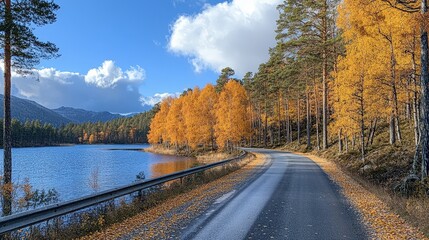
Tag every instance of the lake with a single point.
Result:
(70, 169)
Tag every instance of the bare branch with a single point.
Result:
(405, 6)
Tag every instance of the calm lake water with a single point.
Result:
(69, 169)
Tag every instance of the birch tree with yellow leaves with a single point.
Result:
(207, 118)
(158, 132)
(199, 118)
(191, 110)
(175, 125)
(418, 9)
(372, 72)
(231, 116)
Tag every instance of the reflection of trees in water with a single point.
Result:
(160, 169)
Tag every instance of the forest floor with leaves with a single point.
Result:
(168, 219)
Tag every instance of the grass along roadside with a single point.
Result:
(211, 157)
(165, 220)
(376, 214)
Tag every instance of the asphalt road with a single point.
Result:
(292, 199)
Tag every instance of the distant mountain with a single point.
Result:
(82, 116)
(24, 110)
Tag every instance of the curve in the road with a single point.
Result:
(292, 199)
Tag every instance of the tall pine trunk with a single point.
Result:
(251, 125)
(260, 130)
(362, 139)
(298, 122)
(340, 141)
(266, 124)
(7, 135)
(362, 117)
(287, 121)
(308, 120)
(317, 116)
(279, 136)
(415, 103)
(424, 112)
(325, 77)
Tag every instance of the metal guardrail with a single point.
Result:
(28, 218)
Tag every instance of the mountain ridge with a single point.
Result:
(78, 115)
(23, 110)
(28, 110)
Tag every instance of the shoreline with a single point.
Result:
(202, 157)
(78, 144)
(159, 150)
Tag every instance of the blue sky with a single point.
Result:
(118, 56)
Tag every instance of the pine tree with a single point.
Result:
(224, 77)
(22, 51)
(308, 27)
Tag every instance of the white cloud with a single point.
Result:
(158, 97)
(54, 74)
(106, 88)
(237, 34)
(108, 75)
(136, 73)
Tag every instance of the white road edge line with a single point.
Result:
(224, 197)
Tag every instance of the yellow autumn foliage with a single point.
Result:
(202, 118)
(369, 81)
